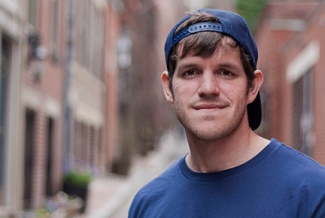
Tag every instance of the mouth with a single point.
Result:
(208, 106)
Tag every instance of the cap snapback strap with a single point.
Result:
(194, 28)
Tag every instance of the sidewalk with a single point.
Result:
(111, 197)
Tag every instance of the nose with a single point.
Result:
(209, 85)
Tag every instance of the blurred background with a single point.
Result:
(83, 119)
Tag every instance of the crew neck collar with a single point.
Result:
(210, 177)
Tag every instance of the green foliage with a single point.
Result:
(251, 10)
(80, 179)
(43, 213)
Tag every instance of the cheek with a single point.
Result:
(182, 95)
(242, 94)
(184, 88)
(235, 92)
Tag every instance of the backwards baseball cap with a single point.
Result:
(233, 25)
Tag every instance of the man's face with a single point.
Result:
(210, 94)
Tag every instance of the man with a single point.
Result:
(213, 85)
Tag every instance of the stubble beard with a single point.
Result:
(222, 130)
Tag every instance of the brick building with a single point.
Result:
(59, 109)
(139, 84)
(42, 101)
(85, 87)
(291, 42)
(112, 33)
(65, 93)
(12, 38)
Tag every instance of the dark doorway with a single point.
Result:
(30, 117)
(49, 165)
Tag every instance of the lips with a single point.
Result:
(205, 106)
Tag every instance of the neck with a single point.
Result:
(224, 153)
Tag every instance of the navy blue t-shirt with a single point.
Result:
(278, 182)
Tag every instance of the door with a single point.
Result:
(29, 156)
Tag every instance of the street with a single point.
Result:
(111, 197)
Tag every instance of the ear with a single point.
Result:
(255, 86)
(166, 87)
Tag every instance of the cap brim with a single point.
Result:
(254, 110)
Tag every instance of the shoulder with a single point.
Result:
(295, 160)
(294, 177)
(169, 176)
(150, 195)
(298, 169)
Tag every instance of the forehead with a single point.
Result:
(224, 55)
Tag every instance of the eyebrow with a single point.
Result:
(187, 65)
(228, 65)
(221, 65)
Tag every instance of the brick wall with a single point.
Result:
(42, 90)
(280, 47)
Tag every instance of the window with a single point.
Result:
(97, 39)
(81, 29)
(92, 146)
(302, 116)
(55, 18)
(4, 77)
(32, 12)
(81, 144)
(89, 36)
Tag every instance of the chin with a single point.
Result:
(209, 135)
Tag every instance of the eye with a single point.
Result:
(190, 73)
(226, 73)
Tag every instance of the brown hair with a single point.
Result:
(204, 44)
